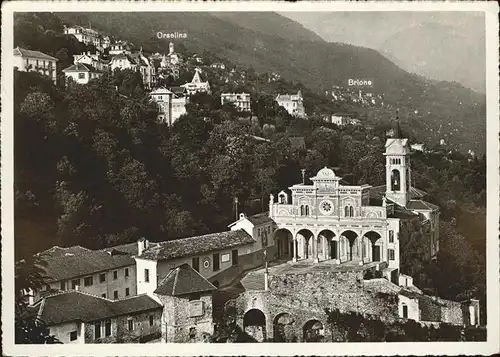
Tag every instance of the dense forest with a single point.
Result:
(92, 167)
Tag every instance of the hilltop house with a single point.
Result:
(95, 60)
(239, 100)
(28, 60)
(81, 73)
(136, 62)
(171, 103)
(293, 103)
(342, 119)
(85, 35)
(120, 47)
(197, 85)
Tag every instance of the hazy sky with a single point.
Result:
(440, 45)
(372, 29)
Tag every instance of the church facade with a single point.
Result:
(330, 221)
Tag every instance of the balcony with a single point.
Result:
(291, 213)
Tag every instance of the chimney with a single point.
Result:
(142, 244)
(140, 247)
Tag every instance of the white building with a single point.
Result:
(136, 62)
(172, 58)
(197, 85)
(120, 47)
(85, 35)
(239, 100)
(82, 73)
(293, 103)
(331, 221)
(95, 60)
(28, 61)
(418, 147)
(171, 104)
(342, 119)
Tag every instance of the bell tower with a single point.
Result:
(397, 167)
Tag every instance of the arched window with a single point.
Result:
(395, 180)
(346, 211)
(301, 210)
(307, 210)
(351, 211)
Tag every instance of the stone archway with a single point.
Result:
(328, 247)
(313, 331)
(254, 325)
(305, 239)
(375, 247)
(284, 328)
(350, 246)
(283, 239)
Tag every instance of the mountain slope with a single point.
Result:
(269, 23)
(451, 56)
(439, 45)
(445, 111)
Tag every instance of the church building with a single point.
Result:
(354, 224)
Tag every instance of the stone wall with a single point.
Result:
(245, 262)
(306, 296)
(180, 324)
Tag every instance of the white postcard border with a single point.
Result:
(412, 348)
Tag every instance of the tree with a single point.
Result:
(28, 327)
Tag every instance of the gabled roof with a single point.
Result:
(76, 261)
(402, 213)
(288, 97)
(178, 90)
(421, 205)
(379, 192)
(256, 219)
(392, 141)
(18, 51)
(260, 218)
(197, 245)
(79, 306)
(124, 56)
(81, 67)
(183, 280)
(161, 90)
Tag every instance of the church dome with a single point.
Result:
(325, 172)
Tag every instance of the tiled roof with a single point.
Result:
(79, 306)
(402, 213)
(18, 51)
(379, 192)
(81, 67)
(288, 97)
(183, 280)
(260, 218)
(421, 205)
(178, 90)
(67, 263)
(197, 245)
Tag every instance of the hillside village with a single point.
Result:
(261, 278)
